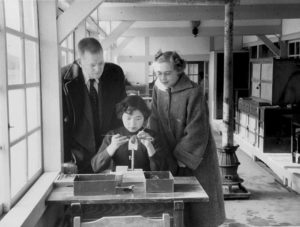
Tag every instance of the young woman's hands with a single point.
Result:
(146, 140)
(116, 141)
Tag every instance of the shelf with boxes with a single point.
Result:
(275, 80)
(261, 118)
(264, 126)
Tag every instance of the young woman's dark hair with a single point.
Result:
(130, 104)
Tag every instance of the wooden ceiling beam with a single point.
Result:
(92, 25)
(122, 45)
(177, 2)
(116, 33)
(196, 12)
(203, 31)
(270, 45)
(74, 15)
(199, 2)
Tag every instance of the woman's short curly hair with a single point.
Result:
(130, 104)
(172, 57)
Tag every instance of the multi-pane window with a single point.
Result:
(294, 49)
(197, 71)
(67, 50)
(67, 46)
(22, 97)
(192, 70)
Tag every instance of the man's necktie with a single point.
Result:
(95, 110)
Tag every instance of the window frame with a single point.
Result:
(67, 46)
(7, 200)
(198, 64)
(4, 139)
(31, 207)
(295, 43)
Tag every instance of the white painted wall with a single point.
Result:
(199, 46)
(134, 72)
(290, 26)
(219, 43)
(186, 45)
(183, 45)
(135, 48)
(249, 39)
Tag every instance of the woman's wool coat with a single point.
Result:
(180, 117)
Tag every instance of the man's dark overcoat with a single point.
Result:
(79, 141)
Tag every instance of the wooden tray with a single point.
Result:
(159, 181)
(95, 184)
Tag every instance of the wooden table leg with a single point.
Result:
(76, 210)
(178, 213)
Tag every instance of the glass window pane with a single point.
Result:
(94, 14)
(195, 79)
(32, 62)
(70, 57)
(70, 41)
(297, 48)
(34, 153)
(33, 107)
(14, 60)
(16, 102)
(191, 69)
(63, 58)
(196, 69)
(12, 14)
(18, 167)
(64, 43)
(30, 17)
(291, 48)
(186, 71)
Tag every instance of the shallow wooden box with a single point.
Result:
(134, 178)
(159, 181)
(95, 184)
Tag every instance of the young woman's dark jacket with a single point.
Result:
(102, 161)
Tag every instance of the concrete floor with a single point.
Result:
(270, 204)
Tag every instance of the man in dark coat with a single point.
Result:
(91, 89)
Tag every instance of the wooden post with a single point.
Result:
(228, 121)
(227, 152)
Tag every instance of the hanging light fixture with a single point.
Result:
(195, 25)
